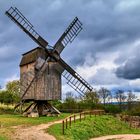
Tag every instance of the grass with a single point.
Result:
(3, 138)
(92, 127)
(9, 120)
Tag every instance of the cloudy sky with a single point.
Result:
(106, 52)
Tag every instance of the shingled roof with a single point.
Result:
(32, 55)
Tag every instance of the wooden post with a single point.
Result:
(63, 127)
(70, 121)
(66, 123)
(139, 123)
(130, 122)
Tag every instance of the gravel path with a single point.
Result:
(119, 137)
(34, 132)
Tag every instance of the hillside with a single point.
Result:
(92, 127)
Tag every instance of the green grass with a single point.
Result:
(9, 120)
(92, 127)
(3, 138)
(13, 120)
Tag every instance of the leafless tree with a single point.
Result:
(120, 96)
(69, 94)
(104, 94)
(130, 99)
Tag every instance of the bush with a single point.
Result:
(134, 112)
(112, 109)
(4, 109)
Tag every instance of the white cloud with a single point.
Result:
(13, 77)
(135, 82)
(127, 5)
(105, 61)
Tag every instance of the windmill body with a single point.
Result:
(41, 68)
(45, 87)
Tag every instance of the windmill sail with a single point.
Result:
(74, 79)
(68, 36)
(15, 15)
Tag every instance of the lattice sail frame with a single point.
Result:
(73, 78)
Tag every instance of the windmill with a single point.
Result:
(41, 68)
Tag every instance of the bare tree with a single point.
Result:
(105, 94)
(130, 99)
(69, 94)
(120, 96)
(91, 97)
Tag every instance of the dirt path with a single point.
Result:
(119, 137)
(34, 132)
(37, 133)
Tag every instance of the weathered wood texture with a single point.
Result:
(47, 86)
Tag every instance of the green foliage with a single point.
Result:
(7, 110)
(91, 97)
(71, 104)
(6, 97)
(13, 87)
(112, 109)
(3, 138)
(11, 94)
(56, 103)
(92, 127)
(135, 111)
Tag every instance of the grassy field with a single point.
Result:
(9, 120)
(13, 120)
(92, 127)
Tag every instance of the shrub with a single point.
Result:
(112, 109)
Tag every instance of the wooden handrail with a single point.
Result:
(72, 117)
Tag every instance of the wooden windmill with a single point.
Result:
(41, 68)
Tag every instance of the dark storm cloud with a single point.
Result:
(108, 25)
(129, 70)
(107, 29)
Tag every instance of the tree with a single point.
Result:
(120, 96)
(130, 99)
(70, 103)
(13, 88)
(2, 92)
(91, 99)
(11, 94)
(6, 97)
(104, 94)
